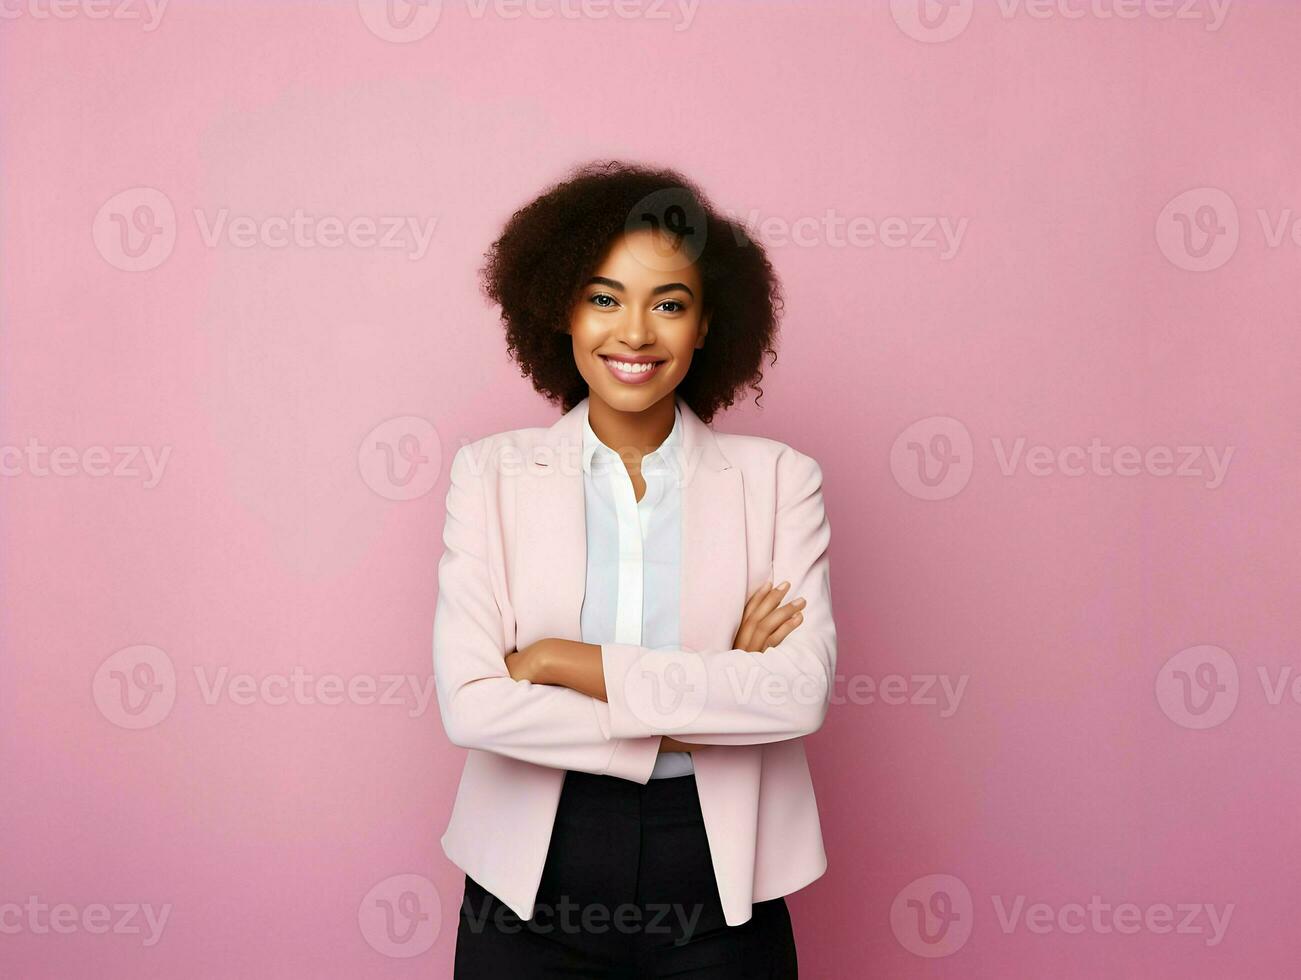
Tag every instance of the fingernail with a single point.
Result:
(784, 585)
(798, 602)
(798, 618)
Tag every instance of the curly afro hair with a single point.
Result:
(550, 247)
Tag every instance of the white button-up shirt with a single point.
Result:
(634, 554)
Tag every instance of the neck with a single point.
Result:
(631, 434)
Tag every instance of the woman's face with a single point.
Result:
(638, 321)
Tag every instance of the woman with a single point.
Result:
(608, 641)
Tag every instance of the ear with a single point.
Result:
(703, 331)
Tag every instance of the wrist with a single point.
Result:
(549, 660)
(567, 663)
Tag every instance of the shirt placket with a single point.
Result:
(628, 607)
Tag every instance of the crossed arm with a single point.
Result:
(572, 705)
(765, 622)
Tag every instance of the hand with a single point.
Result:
(527, 664)
(765, 623)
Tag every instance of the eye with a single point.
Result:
(672, 306)
(604, 300)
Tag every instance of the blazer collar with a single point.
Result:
(562, 444)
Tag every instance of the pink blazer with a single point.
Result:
(514, 571)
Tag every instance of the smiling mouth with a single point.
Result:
(632, 372)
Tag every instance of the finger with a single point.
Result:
(771, 600)
(761, 636)
(750, 635)
(779, 616)
(745, 634)
(784, 630)
(754, 599)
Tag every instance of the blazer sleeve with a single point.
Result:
(735, 697)
(482, 706)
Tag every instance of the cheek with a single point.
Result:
(586, 333)
(682, 341)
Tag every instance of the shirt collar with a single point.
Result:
(665, 451)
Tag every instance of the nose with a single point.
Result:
(635, 329)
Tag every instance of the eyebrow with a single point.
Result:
(668, 287)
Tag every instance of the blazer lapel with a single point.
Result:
(714, 561)
(551, 552)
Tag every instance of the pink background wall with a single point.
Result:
(1121, 194)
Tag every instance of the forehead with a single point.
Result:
(646, 259)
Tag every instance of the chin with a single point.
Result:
(630, 399)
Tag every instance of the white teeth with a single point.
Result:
(629, 368)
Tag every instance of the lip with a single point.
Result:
(632, 377)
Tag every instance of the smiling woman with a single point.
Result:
(608, 643)
(609, 246)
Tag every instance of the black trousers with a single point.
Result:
(628, 891)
